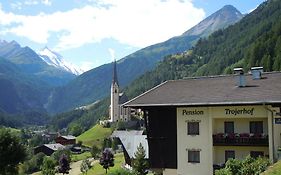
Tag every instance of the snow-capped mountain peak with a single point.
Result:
(54, 59)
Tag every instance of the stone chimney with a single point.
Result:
(257, 72)
(241, 81)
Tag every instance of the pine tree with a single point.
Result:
(140, 164)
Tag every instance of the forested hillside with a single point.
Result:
(254, 41)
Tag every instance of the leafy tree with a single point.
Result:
(95, 151)
(107, 159)
(64, 164)
(34, 163)
(12, 152)
(75, 129)
(115, 142)
(121, 125)
(107, 143)
(57, 155)
(48, 167)
(140, 164)
(85, 166)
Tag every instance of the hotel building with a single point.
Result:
(195, 125)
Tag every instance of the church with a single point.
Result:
(116, 111)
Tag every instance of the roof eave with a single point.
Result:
(204, 104)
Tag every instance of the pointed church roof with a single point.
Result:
(114, 78)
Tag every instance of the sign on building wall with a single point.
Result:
(277, 120)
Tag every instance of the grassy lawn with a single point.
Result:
(83, 156)
(95, 136)
(275, 169)
(97, 169)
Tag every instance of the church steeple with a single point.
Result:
(114, 107)
(114, 79)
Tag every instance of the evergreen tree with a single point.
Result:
(95, 151)
(140, 164)
(12, 152)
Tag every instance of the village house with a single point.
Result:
(66, 140)
(195, 125)
(48, 149)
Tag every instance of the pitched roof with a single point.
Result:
(132, 142)
(122, 98)
(212, 90)
(126, 133)
(69, 137)
(55, 146)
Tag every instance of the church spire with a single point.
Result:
(114, 80)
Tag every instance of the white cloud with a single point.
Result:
(86, 65)
(46, 2)
(16, 5)
(112, 54)
(31, 2)
(137, 23)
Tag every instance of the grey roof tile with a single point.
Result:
(215, 90)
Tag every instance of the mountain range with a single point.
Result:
(95, 84)
(26, 79)
(55, 59)
(43, 82)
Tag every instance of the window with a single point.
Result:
(229, 127)
(256, 154)
(256, 127)
(193, 128)
(229, 154)
(193, 156)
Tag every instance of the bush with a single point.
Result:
(223, 171)
(248, 166)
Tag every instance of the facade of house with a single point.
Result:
(116, 111)
(48, 149)
(195, 125)
(66, 140)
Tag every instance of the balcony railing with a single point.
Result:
(243, 139)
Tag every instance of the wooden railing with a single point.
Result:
(243, 139)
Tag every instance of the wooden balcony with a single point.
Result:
(243, 139)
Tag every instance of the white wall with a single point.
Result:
(202, 142)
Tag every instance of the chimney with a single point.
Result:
(257, 72)
(241, 81)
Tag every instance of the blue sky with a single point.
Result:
(89, 33)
